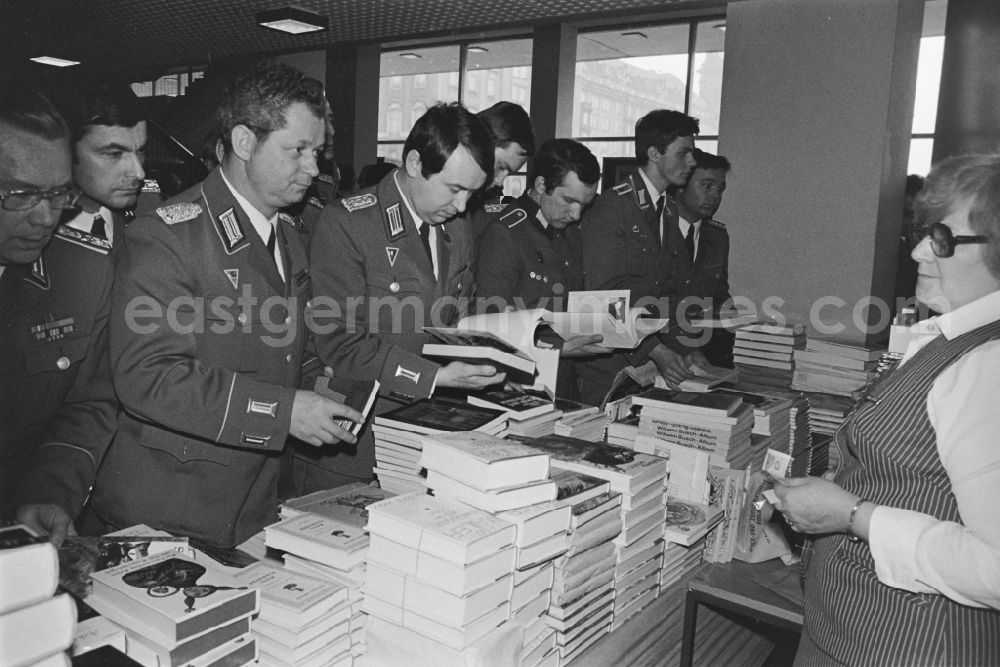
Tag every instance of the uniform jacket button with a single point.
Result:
(62, 363)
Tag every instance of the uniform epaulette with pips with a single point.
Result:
(359, 202)
(151, 185)
(293, 220)
(716, 223)
(83, 239)
(623, 189)
(179, 212)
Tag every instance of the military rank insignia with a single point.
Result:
(178, 212)
(52, 329)
(293, 220)
(392, 253)
(493, 208)
(513, 218)
(230, 231)
(359, 202)
(38, 276)
(234, 277)
(83, 239)
(394, 227)
(316, 201)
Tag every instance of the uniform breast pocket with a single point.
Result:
(184, 448)
(640, 254)
(56, 357)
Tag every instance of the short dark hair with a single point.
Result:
(26, 109)
(441, 129)
(509, 123)
(260, 97)
(659, 128)
(706, 160)
(558, 157)
(100, 103)
(965, 178)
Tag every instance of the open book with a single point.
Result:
(606, 312)
(506, 339)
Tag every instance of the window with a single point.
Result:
(420, 81)
(928, 84)
(170, 85)
(492, 68)
(627, 72)
(395, 82)
(394, 120)
(414, 82)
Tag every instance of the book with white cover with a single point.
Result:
(483, 461)
(454, 637)
(328, 624)
(29, 568)
(235, 653)
(143, 649)
(537, 522)
(29, 634)
(447, 529)
(348, 503)
(606, 312)
(97, 631)
(495, 500)
(170, 599)
(291, 599)
(320, 538)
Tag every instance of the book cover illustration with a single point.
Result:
(348, 503)
(174, 575)
(443, 415)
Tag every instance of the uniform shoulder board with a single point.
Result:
(494, 207)
(359, 202)
(326, 178)
(150, 185)
(293, 220)
(83, 239)
(623, 189)
(179, 212)
(513, 217)
(716, 223)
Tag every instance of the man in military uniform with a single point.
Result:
(108, 129)
(57, 404)
(514, 142)
(208, 332)
(626, 245)
(387, 263)
(699, 280)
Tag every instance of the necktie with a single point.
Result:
(660, 203)
(272, 249)
(97, 229)
(425, 238)
(689, 242)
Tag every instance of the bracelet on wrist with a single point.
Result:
(850, 520)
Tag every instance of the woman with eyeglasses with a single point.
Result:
(904, 562)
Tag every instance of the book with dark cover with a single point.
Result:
(625, 469)
(357, 394)
(477, 346)
(431, 415)
(576, 485)
(717, 403)
(520, 404)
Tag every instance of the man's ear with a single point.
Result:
(539, 185)
(244, 142)
(413, 164)
(652, 154)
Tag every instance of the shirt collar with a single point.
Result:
(406, 201)
(261, 224)
(962, 320)
(654, 193)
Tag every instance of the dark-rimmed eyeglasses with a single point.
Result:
(943, 242)
(22, 200)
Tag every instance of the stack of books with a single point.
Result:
(399, 437)
(440, 568)
(623, 432)
(718, 424)
(588, 424)
(529, 412)
(177, 609)
(36, 626)
(303, 619)
(688, 525)
(763, 353)
(833, 368)
(347, 504)
(728, 492)
(582, 600)
(534, 427)
(827, 413)
(529, 603)
(806, 455)
(485, 471)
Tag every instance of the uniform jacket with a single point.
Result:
(366, 251)
(519, 258)
(57, 404)
(208, 384)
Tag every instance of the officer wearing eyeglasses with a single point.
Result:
(57, 405)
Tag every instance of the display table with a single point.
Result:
(670, 632)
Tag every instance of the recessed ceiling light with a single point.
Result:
(478, 49)
(55, 62)
(292, 20)
(410, 55)
(635, 34)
